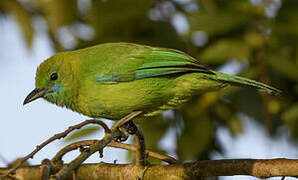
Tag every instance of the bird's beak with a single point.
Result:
(35, 94)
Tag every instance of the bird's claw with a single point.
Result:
(125, 130)
(121, 136)
(130, 127)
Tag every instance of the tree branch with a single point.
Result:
(254, 167)
(45, 169)
(71, 147)
(140, 147)
(126, 119)
(96, 147)
(261, 168)
(53, 138)
(80, 144)
(156, 155)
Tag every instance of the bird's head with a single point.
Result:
(53, 80)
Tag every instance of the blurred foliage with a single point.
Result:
(85, 131)
(260, 35)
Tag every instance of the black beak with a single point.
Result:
(35, 94)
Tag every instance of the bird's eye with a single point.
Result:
(54, 76)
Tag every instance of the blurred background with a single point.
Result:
(253, 38)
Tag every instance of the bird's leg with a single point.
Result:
(125, 127)
(141, 147)
(130, 127)
(121, 135)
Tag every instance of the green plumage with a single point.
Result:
(112, 80)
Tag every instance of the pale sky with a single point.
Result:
(24, 127)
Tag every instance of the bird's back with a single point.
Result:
(116, 79)
(111, 99)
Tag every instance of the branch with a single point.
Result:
(96, 147)
(71, 147)
(125, 120)
(156, 155)
(45, 169)
(80, 144)
(53, 138)
(261, 168)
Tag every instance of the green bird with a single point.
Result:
(113, 80)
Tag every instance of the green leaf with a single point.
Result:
(86, 131)
(198, 130)
(109, 17)
(224, 50)
(286, 23)
(229, 117)
(248, 101)
(154, 129)
(58, 13)
(281, 62)
(196, 138)
(218, 23)
(117, 21)
(22, 16)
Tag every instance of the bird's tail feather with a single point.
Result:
(241, 81)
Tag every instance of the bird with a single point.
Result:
(112, 80)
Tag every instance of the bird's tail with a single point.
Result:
(241, 81)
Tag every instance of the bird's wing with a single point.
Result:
(157, 62)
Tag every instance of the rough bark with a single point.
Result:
(262, 168)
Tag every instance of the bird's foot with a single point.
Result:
(121, 135)
(130, 127)
(125, 130)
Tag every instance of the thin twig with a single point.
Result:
(114, 144)
(141, 147)
(72, 147)
(83, 156)
(53, 138)
(98, 146)
(156, 155)
(126, 119)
